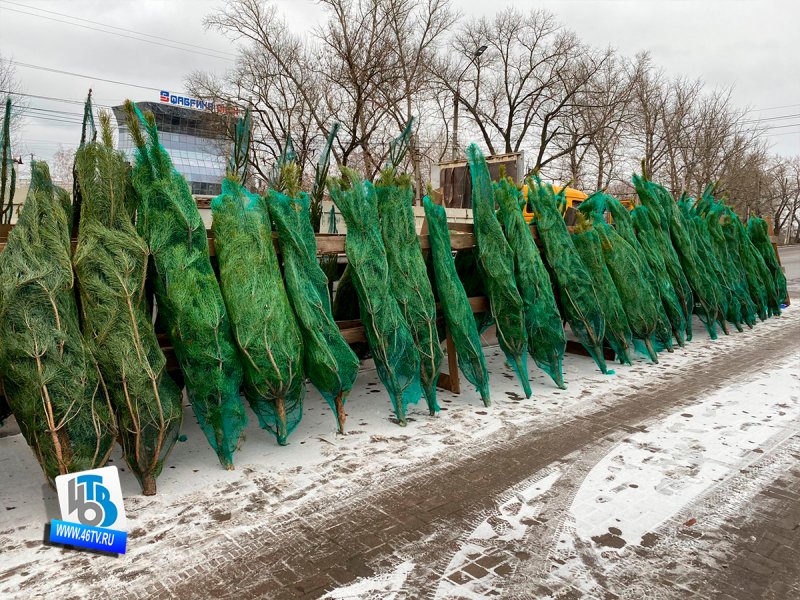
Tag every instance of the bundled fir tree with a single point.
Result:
(759, 236)
(263, 322)
(50, 378)
(618, 334)
(410, 284)
(111, 266)
(546, 337)
(455, 303)
(389, 337)
(495, 262)
(328, 361)
(190, 304)
(578, 298)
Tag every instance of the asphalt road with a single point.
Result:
(426, 517)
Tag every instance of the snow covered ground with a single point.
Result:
(199, 501)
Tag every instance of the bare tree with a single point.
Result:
(10, 87)
(61, 166)
(416, 28)
(526, 83)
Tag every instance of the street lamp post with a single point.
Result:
(457, 99)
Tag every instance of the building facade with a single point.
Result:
(193, 138)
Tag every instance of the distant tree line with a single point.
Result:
(579, 113)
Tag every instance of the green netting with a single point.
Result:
(705, 289)
(753, 301)
(389, 337)
(8, 172)
(741, 304)
(658, 242)
(596, 206)
(617, 333)
(759, 234)
(758, 274)
(711, 241)
(577, 295)
(546, 338)
(190, 304)
(50, 377)
(495, 261)
(455, 303)
(111, 266)
(466, 262)
(410, 284)
(709, 260)
(328, 361)
(674, 304)
(641, 301)
(263, 322)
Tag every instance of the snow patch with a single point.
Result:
(379, 587)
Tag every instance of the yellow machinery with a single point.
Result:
(573, 199)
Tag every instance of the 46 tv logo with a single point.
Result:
(92, 511)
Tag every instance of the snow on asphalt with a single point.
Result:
(198, 503)
(656, 475)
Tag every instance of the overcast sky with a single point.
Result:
(750, 45)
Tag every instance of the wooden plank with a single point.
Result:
(334, 243)
(479, 304)
(450, 380)
(353, 335)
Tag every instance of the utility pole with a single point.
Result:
(457, 98)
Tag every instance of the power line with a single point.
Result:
(92, 77)
(156, 37)
(52, 98)
(782, 126)
(775, 107)
(119, 34)
(777, 118)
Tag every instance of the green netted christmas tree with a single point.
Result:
(328, 361)
(455, 303)
(759, 234)
(705, 288)
(495, 261)
(111, 266)
(188, 296)
(759, 277)
(410, 285)
(577, 295)
(263, 322)
(389, 337)
(51, 380)
(546, 337)
(617, 334)
(647, 228)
